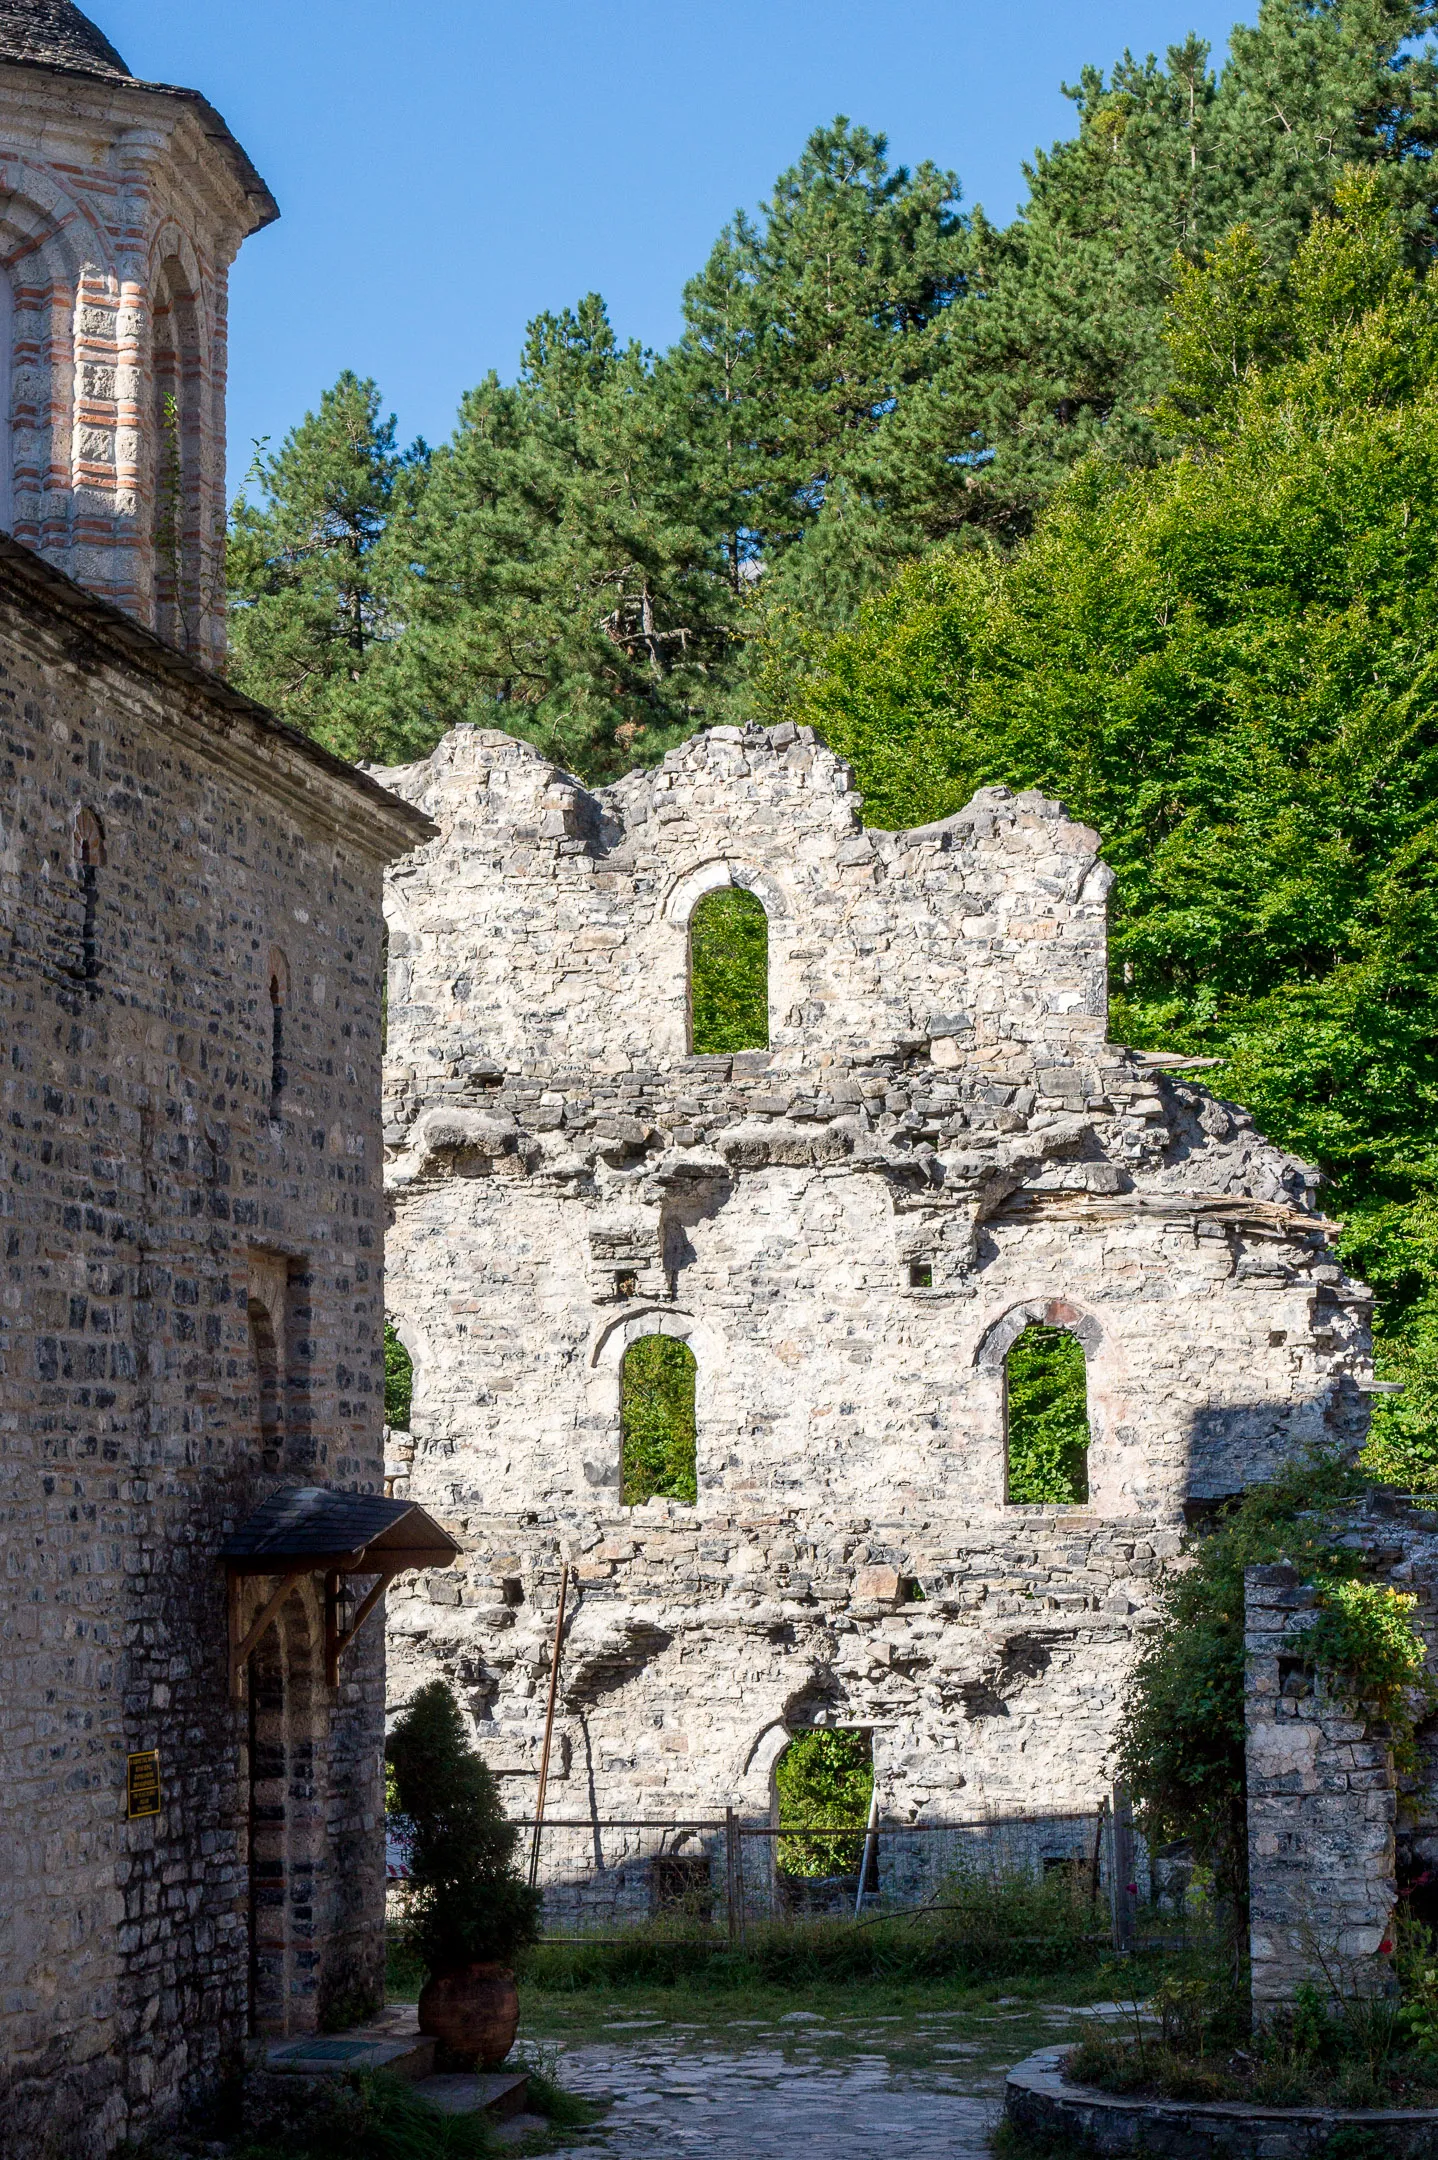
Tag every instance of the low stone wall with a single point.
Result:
(1038, 2098)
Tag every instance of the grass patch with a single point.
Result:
(980, 1928)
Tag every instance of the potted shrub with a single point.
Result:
(469, 1911)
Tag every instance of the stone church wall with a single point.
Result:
(849, 1229)
(153, 1192)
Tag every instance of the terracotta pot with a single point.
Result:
(473, 2013)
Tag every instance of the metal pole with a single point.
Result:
(731, 1870)
(868, 1847)
(1097, 1852)
(1121, 1852)
(548, 1726)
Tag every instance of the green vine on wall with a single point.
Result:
(1181, 1742)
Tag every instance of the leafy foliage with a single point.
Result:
(823, 1776)
(620, 547)
(1227, 664)
(398, 1380)
(1048, 1434)
(466, 1901)
(728, 973)
(657, 1459)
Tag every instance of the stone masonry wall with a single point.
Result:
(149, 1182)
(938, 1096)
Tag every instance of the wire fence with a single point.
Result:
(719, 1875)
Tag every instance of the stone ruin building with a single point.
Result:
(191, 1816)
(850, 1228)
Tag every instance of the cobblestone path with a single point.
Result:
(780, 2092)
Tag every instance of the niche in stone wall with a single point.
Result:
(728, 973)
(1046, 1422)
(657, 1422)
(175, 454)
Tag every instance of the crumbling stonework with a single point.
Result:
(1338, 1839)
(939, 1105)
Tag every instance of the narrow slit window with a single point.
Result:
(728, 973)
(1046, 1417)
(90, 860)
(657, 1427)
(279, 984)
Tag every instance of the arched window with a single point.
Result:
(656, 1415)
(265, 1360)
(279, 995)
(89, 862)
(174, 459)
(824, 1776)
(728, 973)
(1046, 1416)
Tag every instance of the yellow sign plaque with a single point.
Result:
(142, 1784)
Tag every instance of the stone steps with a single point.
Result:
(392, 2041)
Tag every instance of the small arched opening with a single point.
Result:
(269, 1395)
(279, 985)
(1046, 1421)
(658, 1437)
(824, 1777)
(89, 862)
(728, 973)
(174, 454)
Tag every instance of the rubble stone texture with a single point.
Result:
(939, 1093)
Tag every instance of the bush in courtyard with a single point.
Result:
(466, 1902)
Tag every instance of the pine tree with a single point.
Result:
(310, 609)
(567, 591)
(803, 333)
(1057, 350)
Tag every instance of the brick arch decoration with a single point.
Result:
(63, 274)
(1057, 1312)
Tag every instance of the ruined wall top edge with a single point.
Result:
(550, 921)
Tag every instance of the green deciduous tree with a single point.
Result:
(824, 1776)
(311, 605)
(728, 973)
(1229, 665)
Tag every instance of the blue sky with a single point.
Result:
(447, 168)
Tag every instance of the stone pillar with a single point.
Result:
(1321, 1807)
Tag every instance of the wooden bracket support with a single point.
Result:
(240, 1649)
(337, 1639)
